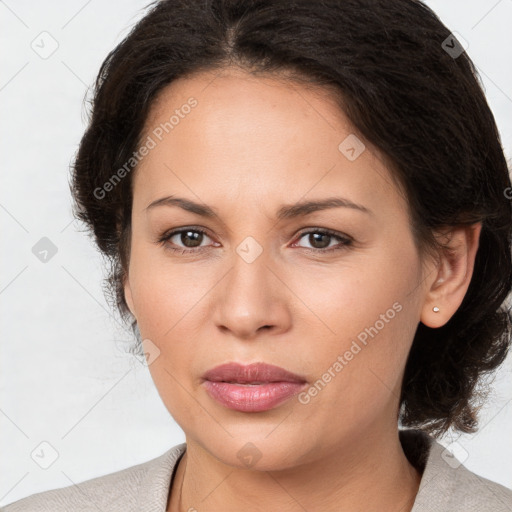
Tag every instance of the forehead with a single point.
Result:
(235, 135)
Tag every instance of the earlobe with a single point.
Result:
(452, 275)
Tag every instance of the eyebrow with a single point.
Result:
(298, 209)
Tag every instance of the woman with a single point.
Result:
(305, 208)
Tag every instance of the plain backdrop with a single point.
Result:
(65, 380)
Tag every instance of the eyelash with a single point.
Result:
(344, 240)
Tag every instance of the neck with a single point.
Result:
(371, 474)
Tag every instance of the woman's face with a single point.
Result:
(263, 287)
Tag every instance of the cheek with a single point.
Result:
(357, 377)
(165, 293)
(368, 319)
(167, 300)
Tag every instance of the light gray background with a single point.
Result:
(63, 378)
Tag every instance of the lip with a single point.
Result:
(251, 388)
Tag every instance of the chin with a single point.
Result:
(256, 448)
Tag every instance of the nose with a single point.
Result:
(252, 299)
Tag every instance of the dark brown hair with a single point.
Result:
(408, 88)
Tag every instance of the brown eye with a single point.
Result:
(184, 240)
(190, 238)
(320, 240)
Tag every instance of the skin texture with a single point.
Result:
(249, 146)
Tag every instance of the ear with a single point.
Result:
(452, 274)
(126, 277)
(128, 295)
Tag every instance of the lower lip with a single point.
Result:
(255, 398)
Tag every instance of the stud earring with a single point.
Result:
(435, 309)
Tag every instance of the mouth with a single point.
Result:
(251, 388)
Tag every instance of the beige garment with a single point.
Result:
(446, 485)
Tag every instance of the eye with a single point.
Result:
(320, 240)
(190, 237)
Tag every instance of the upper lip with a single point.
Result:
(251, 373)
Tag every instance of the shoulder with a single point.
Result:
(447, 485)
(122, 490)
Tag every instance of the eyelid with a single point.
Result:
(327, 231)
(164, 237)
